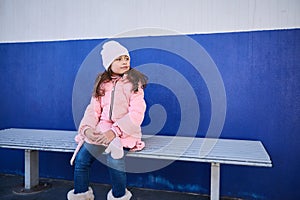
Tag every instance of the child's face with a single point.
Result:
(120, 65)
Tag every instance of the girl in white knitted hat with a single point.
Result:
(111, 123)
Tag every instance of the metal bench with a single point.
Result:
(214, 151)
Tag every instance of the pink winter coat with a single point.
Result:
(120, 109)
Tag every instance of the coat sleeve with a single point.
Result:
(130, 123)
(90, 118)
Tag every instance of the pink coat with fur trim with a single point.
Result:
(120, 109)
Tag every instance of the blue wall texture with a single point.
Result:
(260, 71)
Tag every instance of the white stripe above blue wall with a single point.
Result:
(56, 20)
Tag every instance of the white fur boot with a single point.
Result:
(127, 196)
(88, 195)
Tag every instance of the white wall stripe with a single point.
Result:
(52, 20)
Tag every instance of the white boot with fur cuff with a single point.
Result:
(88, 195)
(127, 196)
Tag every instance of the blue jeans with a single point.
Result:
(83, 162)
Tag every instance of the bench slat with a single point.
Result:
(205, 149)
(44, 140)
(226, 151)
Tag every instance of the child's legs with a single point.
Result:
(116, 168)
(84, 160)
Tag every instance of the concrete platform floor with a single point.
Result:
(58, 189)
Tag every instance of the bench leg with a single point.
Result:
(31, 169)
(215, 181)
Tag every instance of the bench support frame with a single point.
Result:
(223, 151)
(215, 181)
(32, 174)
(31, 169)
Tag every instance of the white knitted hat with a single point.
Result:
(110, 51)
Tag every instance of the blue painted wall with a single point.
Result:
(261, 73)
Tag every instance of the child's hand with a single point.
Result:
(91, 135)
(106, 137)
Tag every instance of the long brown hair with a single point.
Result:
(133, 76)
